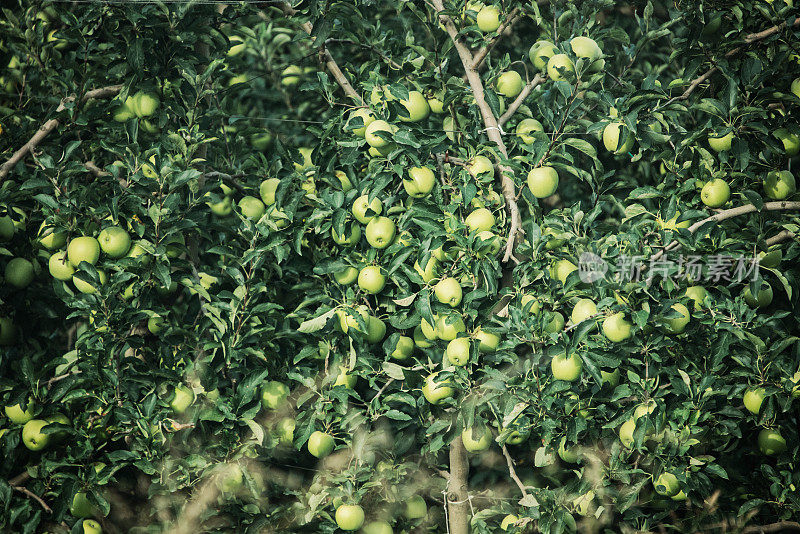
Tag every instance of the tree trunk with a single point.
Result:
(458, 508)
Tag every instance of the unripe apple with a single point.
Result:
(421, 340)
(559, 67)
(223, 208)
(347, 240)
(626, 431)
(155, 324)
(488, 19)
(715, 193)
(420, 181)
(791, 142)
(83, 249)
(476, 439)
(291, 76)
(480, 220)
(508, 522)
(567, 368)
(697, 294)
(480, 165)
(114, 241)
(779, 185)
(583, 309)
(509, 84)
(371, 279)
(273, 394)
(284, 431)
(457, 351)
(90, 526)
(364, 211)
(376, 330)
(19, 416)
(611, 138)
(435, 391)
(540, 53)
(346, 276)
(344, 378)
(720, 144)
(403, 348)
(320, 444)
(365, 116)
(267, 190)
(380, 232)
(561, 270)
(182, 398)
(616, 328)
(349, 517)
(144, 104)
(374, 139)
(763, 299)
(586, 48)
(448, 328)
(377, 527)
(555, 324)
(487, 341)
(448, 291)
(19, 273)
(610, 378)
(491, 239)
(525, 300)
(525, 127)
(416, 106)
(81, 507)
(569, 455)
(543, 181)
(667, 484)
(88, 287)
(252, 208)
(50, 237)
(678, 324)
(32, 435)
(753, 398)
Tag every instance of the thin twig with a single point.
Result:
(481, 54)
(35, 497)
(513, 472)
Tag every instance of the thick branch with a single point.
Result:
(507, 24)
(52, 124)
(530, 86)
(457, 489)
(782, 526)
(513, 472)
(780, 237)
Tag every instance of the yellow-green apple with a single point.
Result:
(273, 394)
(480, 165)
(436, 105)
(416, 106)
(88, 287)
(448, 291)
(349, 517)
(344, 378)
(715, 193)
(763, 299)
(345, 239)
(182, 399)
(559, 67)
(51, 238)
(697, 294)
(779, 185)
(284, 430)
(223, 208)
(320, 444)
(380, 232)
(626, 431)
(509, 84)
(19, 273)
(677, 325)
(19, 416)
(144, 104)
(567, 368)
(568, 454)
(720, 144)
(561, 270)
(508, 522)
(291, 76)
(260, 141)
(344, 180)
(491, 239)
(488, 19)
(435, 391)
(138, 252)
(480, 220)
(416, 508)
(267, 190)
(527, 299)
(374, 139)
(114, 241)
(611, 138)
(616, 328)
(365, 117)
(305, 154)
(610, 378)
(90, 526)
(476, 438)
(457, 351)
(771, 258)
(84, 248)
(667, 484)
(371, 279)
(796, 87)
(543, 181)
(555, 324)
(771, 442)
(586, 48)
(791, 142)
(32, 435)
(583, 309)
(540, 53)
(252, 208)
(420, 181)
(377, 527)
(364, 210)
(155, 324)
(753, 398)
(403, 348)
(525, 127)
(346, 276)
(487, 341)
(376, 330)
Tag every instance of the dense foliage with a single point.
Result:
(318, 311)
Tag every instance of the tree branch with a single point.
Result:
(33, 496)
(780, 237)
(52, 124)
(530, 86)
(457, 489)
(513, 472)
(507, 24)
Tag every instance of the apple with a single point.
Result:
(457, 351)
(344, 378)
(715, 193)
(430, 271)
(562, 269)
(223, 208)
(144, 104)
(697, 294)
(81, 507)
(60, 418)
(90, 526)
(480, 165)
(125, 111)
(87, 287)
(764, 298)
(305, 154)
(610, 378)
(435, 391)
(345, 240)
(403, 348)
(377, 527)
(753, 398)
(344, 180)
(558, 66)
(488, 19)
(508, 522)
(155, 324)
(586, 48)
(320, 444)
(137, 252)
(667, 484)
(417, 107)
(583, 309)
(420, 339)
(349, 516)
(252, 208)
(436, 105)
(611, 138)
(376, 330)
(569, 455)
(616, 328)
(182, 398)
(346, 276)
(678, 324)
(32, 435)
(273, 394)
(779, 185)
(291, 76)
(509, 84)
(19, 416)
(19, 273)
(114, 241)
(567, 368)
(525, 127)
(795, 88)
(420, 181)
(284, 431)
(84, 248)
(371, 279)
(380, 232)
(517, 436)
(555, 324)
(365, 116)
(416, 508)
(534, 304)
(480, 220)
(267, 190)
(720, 144)
(791, 142)
(448, 291)
(50, 237)
(371, 134)
(540, 53)
(490, 240)
(487, 342)
(543, 181)
(476, 439)
(626, 432)
(364, 211)
(447, 329)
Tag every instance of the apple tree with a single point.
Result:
(419, 266)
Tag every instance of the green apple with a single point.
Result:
(779, 185)
(753, 398)
(347, 276)
(567, 368)
(347, 240)
(667, 484)
(349, 516)
(678, 324)
(764, 298)
(525, 300)
(791, 142)
(480, 165)
(795, 88)
(583, 309)
(448, 328)
(616, 328)
(365, 117)
(487, 342)
(144, 104)
(417, 107)
(50, 237)
(556, 324)
(715, 193)
(416, 508)
(19, 273)
(569, 455)
(19, 416)
(457, 351)
(81, 507)
(403, 348)
(87, 287)
(626, 432)
(124, 112)
(509, 84)
(488, 19)
(7, 228)
(371, 134)
(448, 291)
(32, 435)
(344, 180)
(182, 398)
(490, 239)
(376, 330)
(720, 144)
(540, 53)
(644, 409)
(260, 141)
(610, 378)
(114, 241)
(561, 270)
(377, 527)
(364, 210)
(291, 76)
(84, 248)
(559, 67)
(138, 253)
(320, 444)
(508, 522)
(344, 378)
(90, 526)
(380, 232)
(436, 105)
(305, 153)
(611, 138)
(273, 394)
(517, 436)
(435, 391)
(252, 208)
(155, 324)
(284, 431)
(525, 127)
(229, 478)
(267, 190)
(223, 208)
(586, 48)
(697, 294)
(543, 181)
(430, 271)
(476, 439)
(371, 279)
(480, 220)
(420, 181)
